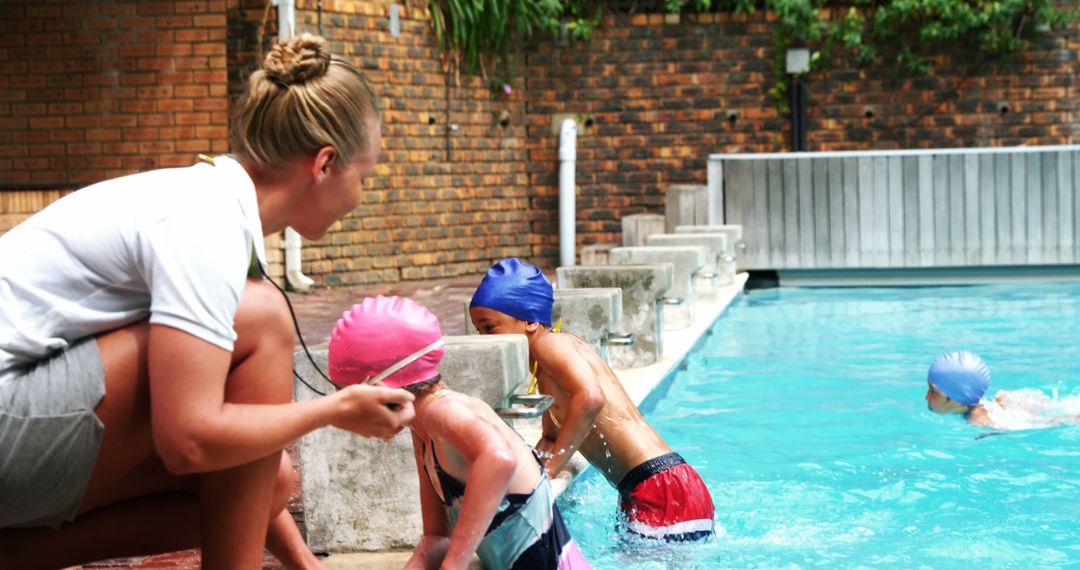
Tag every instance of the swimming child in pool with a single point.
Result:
(957, 385)
(482, 488)
(660, 495)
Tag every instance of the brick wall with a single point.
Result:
(664, 92)
(95, 90)
(90, 90)
(444, 202)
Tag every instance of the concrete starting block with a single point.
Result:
(589, 314)
(684, 205)
(596, 253)
(642, 288)
(733, 231)
(679, 303)
(637, 227)
(352, 484)
(717, 246)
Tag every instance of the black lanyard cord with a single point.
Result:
(299, 335)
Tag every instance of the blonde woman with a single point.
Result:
(145, 377)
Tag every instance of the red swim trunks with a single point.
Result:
(665, 498)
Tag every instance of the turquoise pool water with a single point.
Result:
(804, 413)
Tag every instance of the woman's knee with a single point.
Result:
(263, 316)
(261, 369)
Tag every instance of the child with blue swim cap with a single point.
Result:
(661, 496)
(958, 382)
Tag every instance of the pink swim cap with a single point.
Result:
(385, 338)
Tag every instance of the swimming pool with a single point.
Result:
(804, 413)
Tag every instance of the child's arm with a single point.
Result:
(490, 460)
(572, 372)
(548, 433)
(431, 549)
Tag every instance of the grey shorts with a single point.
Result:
(50, 437)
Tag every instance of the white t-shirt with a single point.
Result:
(174, 244)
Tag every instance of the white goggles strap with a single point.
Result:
(405, 361)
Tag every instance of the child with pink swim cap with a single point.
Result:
(508, 516)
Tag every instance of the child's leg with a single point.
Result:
(284, 539)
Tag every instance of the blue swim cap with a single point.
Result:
(960, 375)
(518, 289)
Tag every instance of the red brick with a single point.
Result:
(172, 105)
(216, 132)
(28, 109)
(155, 119)
(67, 163)
(211, 104)
(154, 92)
(47, 176)
(134, 23)
(174, 50)
(119, 148)
(192, 118)
(209, 49)
(210, 21)
(191, 35)
(78, 10)
(192, 62)
(155, 36)
(27, 81)
(42, 11)
(44, 39)
(67, 135)
(138, 106)
(154, 8)
(120, 121)
(140, 134)
(212, 78)
(61, 25)
(84, 148)
(156, 147)
(178, 77)
(31, 163)
(156, 63)
(188, 90)
(190, 7)
(102, 135)
(175, 21)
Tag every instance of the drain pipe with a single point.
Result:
(292, 243)
(567, 215)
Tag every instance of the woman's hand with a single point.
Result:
(373, 411)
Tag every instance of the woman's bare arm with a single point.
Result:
(196, 430)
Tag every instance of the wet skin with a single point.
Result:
(617, 438)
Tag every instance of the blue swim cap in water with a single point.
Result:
(518, 289)
(960, 375)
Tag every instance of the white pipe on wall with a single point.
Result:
(292, 243)
(567, 189)
(715, 177)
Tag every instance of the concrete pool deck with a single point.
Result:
(639, 383)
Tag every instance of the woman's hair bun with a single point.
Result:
(297, 59)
